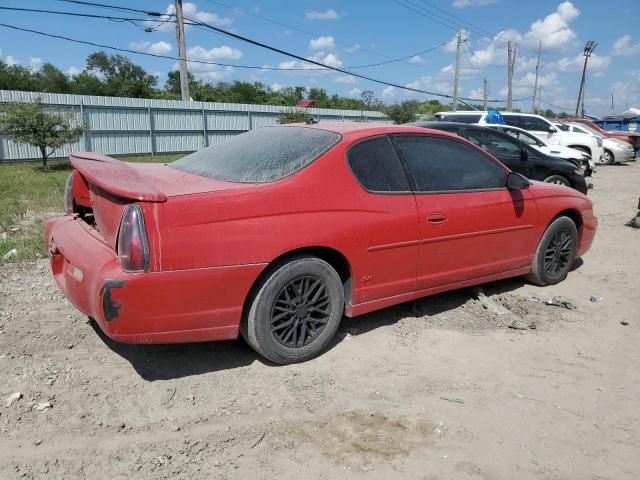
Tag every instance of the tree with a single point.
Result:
(31, 123)
(122, 78)
(402, 113)
(294, 116)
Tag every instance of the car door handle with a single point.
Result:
(437, 218)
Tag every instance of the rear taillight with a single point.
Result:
(68, 195)
(133, 248)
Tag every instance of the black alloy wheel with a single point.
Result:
(558, 253)
(300, 312)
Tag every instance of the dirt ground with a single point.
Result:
(440, 388)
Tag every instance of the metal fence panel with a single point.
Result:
(134, 126)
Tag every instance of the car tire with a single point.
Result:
(608, 158)
(555, 253)
(558, 180)
(295, 311)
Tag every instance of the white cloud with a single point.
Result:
(322, 43)
(276, 87)
(388, 92)
(471, 3)
(224, 52)
(330, 59)
(573, 64)
(553, 31)
(416, 60)
(35, 63)
(476, 93)
(452, 44)
(72, 71)
(429, 83)
(354, 92)
(627, 91)
(353, 48)
(10, 60)
(623, 46)
(329, 14)
(346, 79)
(190, 10)
(158, 48)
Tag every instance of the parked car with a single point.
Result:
(277, 233)
(552, 150)
(632, 138)
(520, 157)
(615, 150)
(535, 124)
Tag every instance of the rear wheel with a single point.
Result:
(555, 254)
(558, 180)
(295, 312)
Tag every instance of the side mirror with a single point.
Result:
(552, 129)
(524, 154)
(515, 181)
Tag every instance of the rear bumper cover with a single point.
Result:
(157, 307)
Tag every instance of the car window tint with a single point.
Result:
(514, 120)
(493, 143)
(460, 117)
(442, 164)
(261, 155)
(377, 167)
(536, 124)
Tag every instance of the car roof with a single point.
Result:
(365, 128)
(436, 124)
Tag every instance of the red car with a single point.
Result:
(632, 138)
(277, 233)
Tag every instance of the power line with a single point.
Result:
(479, 59)
(291, 55)
(113, 7)
(161, 22)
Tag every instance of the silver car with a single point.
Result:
(615, 150)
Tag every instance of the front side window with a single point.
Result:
(262, 155)
(376, 166)
(442, 164)
(524, 137)
(514, 120)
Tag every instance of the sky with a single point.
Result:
(353, 33)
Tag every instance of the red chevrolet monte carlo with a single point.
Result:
(277, 233)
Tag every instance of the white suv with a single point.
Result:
(535, 124)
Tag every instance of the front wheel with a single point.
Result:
(295, 312)
(555, 254)
(558, 180)
(608, 158)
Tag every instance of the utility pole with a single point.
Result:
(612, 104)
(535, 85)
(539, 97)
(485, 95)
(588, 50)
(182, 53)
(512, 49)
(456, 78)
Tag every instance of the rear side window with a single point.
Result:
(261, 155)
(536, 124)
(514, 120)
(377, 167)
(460, 117)
(442, 164)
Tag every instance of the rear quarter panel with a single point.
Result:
(320, 206)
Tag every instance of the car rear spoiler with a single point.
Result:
(115, 177)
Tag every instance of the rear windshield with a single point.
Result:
(261, 155)
(460, 117)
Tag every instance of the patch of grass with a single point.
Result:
(29, 195)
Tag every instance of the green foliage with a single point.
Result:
(31, 123)
(294, 116)
(402, 113)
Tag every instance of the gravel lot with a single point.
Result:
(436, 389)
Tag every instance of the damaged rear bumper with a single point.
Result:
(156, 307)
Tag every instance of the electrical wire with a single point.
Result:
(291, 55)
(168, 20)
